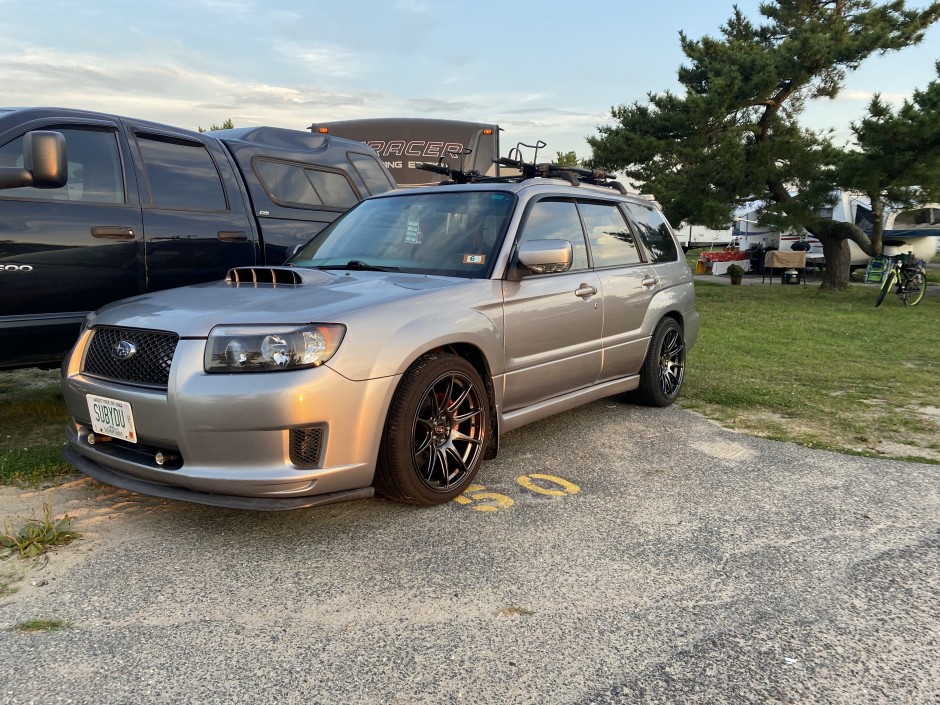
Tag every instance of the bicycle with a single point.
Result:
(909, 277)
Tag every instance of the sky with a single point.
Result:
(542, 70)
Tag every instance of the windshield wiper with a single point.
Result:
(358, 265)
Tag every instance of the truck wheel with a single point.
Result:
(436, 432)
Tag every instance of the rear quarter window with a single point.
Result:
(654, 231)
(371, 173)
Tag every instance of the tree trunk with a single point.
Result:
(878, 223)
(838, 263)
(834, 236)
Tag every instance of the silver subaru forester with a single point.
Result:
(390, 353)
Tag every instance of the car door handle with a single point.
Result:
(232, 236)
(110, 232)
(649, 281)
(585, 290)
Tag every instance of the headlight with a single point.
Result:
(266, 348)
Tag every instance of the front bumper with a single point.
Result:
(156, 489)
(232, 432)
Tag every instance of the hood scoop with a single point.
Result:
(274, 276)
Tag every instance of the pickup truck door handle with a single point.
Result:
(585, 290)
(232, 236)
(649, 280)
(112, 232)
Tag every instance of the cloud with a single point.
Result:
(856, 94)
(323, 60)
(185, 95)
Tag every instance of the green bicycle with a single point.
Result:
(909, 277)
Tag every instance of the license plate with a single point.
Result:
(111, 417)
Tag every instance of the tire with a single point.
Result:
(436, 432)
(913, 288)
(664, 367)
(885, 287)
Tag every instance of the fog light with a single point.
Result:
(164, 457)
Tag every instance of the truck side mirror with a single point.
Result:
(45, 162)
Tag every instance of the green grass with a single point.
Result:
(32, 427)
(41, 625)
(822, 369)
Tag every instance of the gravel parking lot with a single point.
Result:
(611, 554)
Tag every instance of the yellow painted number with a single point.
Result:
(528, 482)
(482, 501)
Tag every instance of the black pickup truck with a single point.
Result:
(97, 207)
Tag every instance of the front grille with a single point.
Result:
(305, 446)
(150, 364)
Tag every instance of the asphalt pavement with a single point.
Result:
(611, 554)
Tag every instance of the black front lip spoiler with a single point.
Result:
(260, 504)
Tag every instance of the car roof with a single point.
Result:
(536, 186)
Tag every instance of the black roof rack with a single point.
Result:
(527, 170)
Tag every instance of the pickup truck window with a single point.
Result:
(370, 171)
(301, 187)
(95, 174)
(181, 174)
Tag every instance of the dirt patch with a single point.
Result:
(90, 504)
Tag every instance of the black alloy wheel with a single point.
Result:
(664, 367)
(436, 433)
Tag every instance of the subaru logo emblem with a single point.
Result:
(124, 350)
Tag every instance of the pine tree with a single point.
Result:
(734, 135)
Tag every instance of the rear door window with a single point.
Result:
(612, 241)
(181, 174)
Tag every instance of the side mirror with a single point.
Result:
(544, 256)
(45, 162)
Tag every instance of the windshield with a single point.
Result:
(453, 234)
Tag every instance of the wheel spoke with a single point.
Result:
(461, 468)
(454, 405)
(445, 403)
(460, 418)
(466, 439)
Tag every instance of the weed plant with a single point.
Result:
(36, 536)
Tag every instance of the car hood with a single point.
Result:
(318, 296)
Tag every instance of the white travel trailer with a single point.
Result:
(914, 230)
(699, 236)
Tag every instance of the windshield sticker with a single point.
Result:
(413, 230)
(474, 259)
